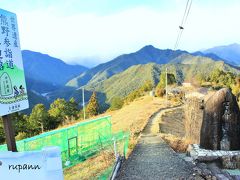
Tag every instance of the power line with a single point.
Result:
(184, 13)
(178, 39)
(183, 22)
(188, 12)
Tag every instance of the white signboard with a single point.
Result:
(32, 165)
(13, 91)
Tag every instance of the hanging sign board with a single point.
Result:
(13, 91)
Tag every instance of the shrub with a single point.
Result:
(133, 95)
(160, 91)
(147, 86)
(21, 135)
(116, 103)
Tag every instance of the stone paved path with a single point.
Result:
(152, 158)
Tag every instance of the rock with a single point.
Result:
(188, 159)
(236, 158)
(189, 149)
(227, 162)
(221, 122)
(222, 177)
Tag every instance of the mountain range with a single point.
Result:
(50, 78)
(231, 53)
(184, 67)
(103, 71)
(45, 73)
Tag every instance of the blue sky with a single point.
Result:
(83, 31)
(101, 7)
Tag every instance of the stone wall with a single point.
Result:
(193, 119)
(228, 159)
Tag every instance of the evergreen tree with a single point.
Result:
(214, 76)
(72, 109)
(58, 111)
(19, 122)
(2, 133)
(236, 87)
(38, 120)
(170, 80)
(92, 108)
(222, 78)
(160, 89)
(200, 78)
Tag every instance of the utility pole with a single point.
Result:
(166, 83)
(83, 104)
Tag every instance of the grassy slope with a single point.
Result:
(133, 118)
(134, 77)
(103, 71)
(123, 83)
(127, 81)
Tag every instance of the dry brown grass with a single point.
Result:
(132, 118)
(172, 129)
(178, 144)
(90, 168)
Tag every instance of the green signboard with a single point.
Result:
(13, 91)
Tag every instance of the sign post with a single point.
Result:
(13, 94)
(10, 135)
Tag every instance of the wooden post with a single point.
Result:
(166, 84)
(83, 99)
(9, 132)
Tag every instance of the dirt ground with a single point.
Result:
(152, 158)
(172, 130)
(134, 117)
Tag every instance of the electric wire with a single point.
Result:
(183, 22)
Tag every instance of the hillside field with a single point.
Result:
(133, 118)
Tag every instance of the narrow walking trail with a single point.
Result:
(152, 158)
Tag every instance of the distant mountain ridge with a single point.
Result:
(147, 54)
(209, 55)
(103, 71)
(121, 75)
(129, 71)
(231, 53)
(45, 73)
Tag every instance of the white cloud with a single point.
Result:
(91, 35)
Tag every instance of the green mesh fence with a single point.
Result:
(78, 142)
